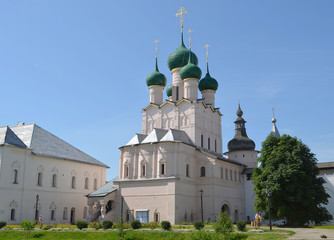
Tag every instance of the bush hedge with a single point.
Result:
(107, 224)
(241, 225)
(166, 225)
(198, 225)
(2, 224)
(81, 224)
(136, 224)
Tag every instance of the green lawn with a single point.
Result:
(140, 235)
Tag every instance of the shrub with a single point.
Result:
(107, 224)
(96, 225)
(27, 226)
(166, 225)
(2, 224)
(81, 224)
(224, 224)
(153, 225)
(136, 224)
(241, 225)
(198, 225)
(120, 227)
(48, 227)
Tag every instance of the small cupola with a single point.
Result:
(240, 140)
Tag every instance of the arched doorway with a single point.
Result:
(236, 215)
(225, 208)
(72, 216)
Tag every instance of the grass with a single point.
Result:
(140, 235)
(323, 227)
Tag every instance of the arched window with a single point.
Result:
(226, 174)
(187, 170)
(12, 214)
(209, 143)
(235, 175)
(73, 182)
(215, 145)
(65, 213)
(222, 173)
(53, 214)
(126, 171)
(109, 206)
(162, 166)
(231, 176)
(15, 176)
(85, 213)
(39, 179)
(236, 215)
(95, 183)
(202, 140)
(54, 180)
(143, 170)
(202, 171)
(86, 183)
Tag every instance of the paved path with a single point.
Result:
(311, 233)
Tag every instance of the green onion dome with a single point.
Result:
(180, 57)
(208, 82)
(156, 78)
(169, 90)
(190, 70)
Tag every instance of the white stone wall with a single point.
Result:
(22, 196)
(174, 195)
(192, 117)
(329, 187)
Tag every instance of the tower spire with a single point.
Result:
(274, 130)
(156, 54)
(190, 31)
(207, 57)
(180, 13)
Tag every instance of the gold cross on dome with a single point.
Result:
(207, 52)
(156, 48)
(190, 31)
(180, 13)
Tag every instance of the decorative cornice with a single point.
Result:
(176, 69)
(186, 79)
(156, 86)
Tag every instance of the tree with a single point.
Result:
(297, 193)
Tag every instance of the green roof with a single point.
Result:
(156, 78)
(169, 90)
(180, 57)
(208, 82)
(190, 70)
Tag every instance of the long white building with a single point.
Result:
(42, 175)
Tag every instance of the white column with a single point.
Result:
(156, 95)
(177, 91)
(90, 211)
(191, 89)
(209, 97)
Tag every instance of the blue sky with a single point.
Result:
(77, 68)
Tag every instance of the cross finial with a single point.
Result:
(180, 13)
(207, 52)
(239, 101)
(156, 48)
(190, 31)
(273, 112)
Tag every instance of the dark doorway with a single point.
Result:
(225, 208)
(73, 216)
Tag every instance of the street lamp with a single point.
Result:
(122, 200)
(269, 195)
(201, 191)
(36, 212)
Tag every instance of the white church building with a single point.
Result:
(175, 169)
(42, 175)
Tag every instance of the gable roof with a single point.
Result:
(104, 190)
(44, 143)
(138, 138)
(8, 137)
